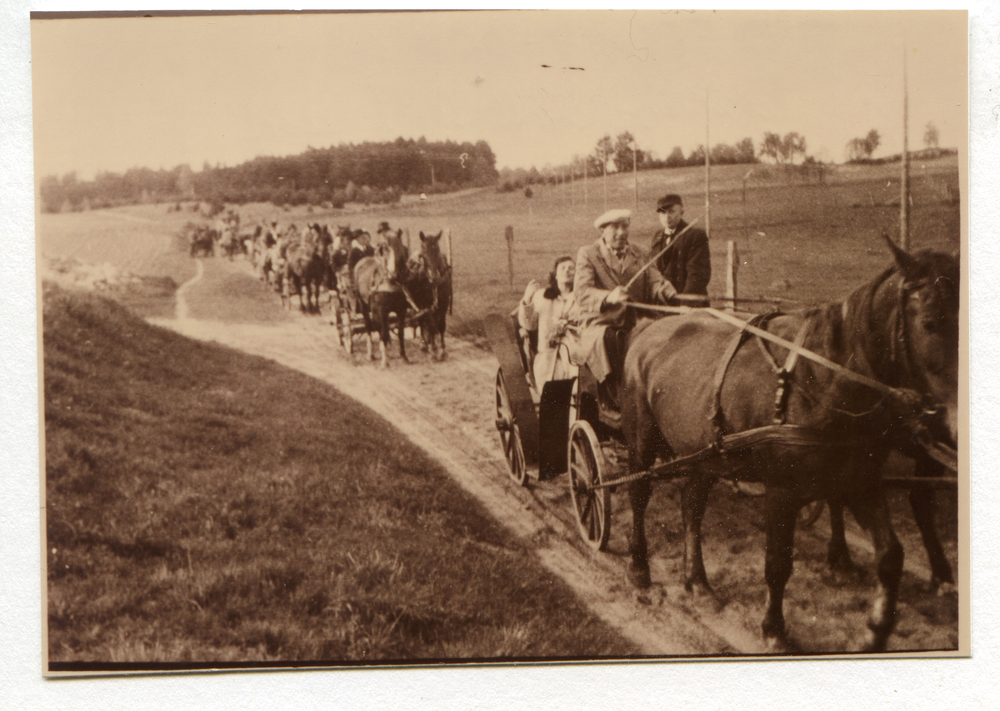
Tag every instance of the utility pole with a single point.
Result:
(635, 173)
(708, 201)
(904, 202)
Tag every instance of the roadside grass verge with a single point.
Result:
(203, 505)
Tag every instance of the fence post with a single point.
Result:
(509, 234)
(732, 267)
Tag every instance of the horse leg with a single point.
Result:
(780, 513)
(427, 334)
(872, 512)
(637, 572)
(367, 317)
(439, 329)
(838, 557)
(922, 503)
(426, 340)
(381, 314)
(694, 501)
(643, 439)
(401, 314)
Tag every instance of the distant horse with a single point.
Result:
(431, 291)
(689, 380)
(202, 241)
(306, 267)
(379, 281)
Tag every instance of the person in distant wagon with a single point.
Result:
(686, 263)
(550, 312)
(603, 284)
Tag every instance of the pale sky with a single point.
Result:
(115, 93)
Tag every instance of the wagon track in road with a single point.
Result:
(447, 409)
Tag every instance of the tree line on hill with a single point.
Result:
(368, 173)
(624, 154)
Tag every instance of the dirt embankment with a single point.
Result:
(448, 409)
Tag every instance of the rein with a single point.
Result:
(941, 453)
(902, 393)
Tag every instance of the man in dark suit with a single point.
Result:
(603, 271)
(686, 263)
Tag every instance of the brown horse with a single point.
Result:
(926, 348)
(689, 380)
(306, 267)
(431, 290)
(379, 281)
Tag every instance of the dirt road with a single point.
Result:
(447, 409)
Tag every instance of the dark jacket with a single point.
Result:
(687, 263)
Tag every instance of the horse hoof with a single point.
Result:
(943, 589)
(638, 577)
(780, 644)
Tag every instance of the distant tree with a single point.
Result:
(745, 151)
(793, 145)
(862, 148)
(772, 147)
(724, 154)
(855, 149)
(676, 158)
(931, 137)
(624, 152)
(697, 156)
(53, 195)
(603, 152)
(872, 141)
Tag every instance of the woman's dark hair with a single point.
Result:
(553, 289)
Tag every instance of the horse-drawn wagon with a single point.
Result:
(875, 372)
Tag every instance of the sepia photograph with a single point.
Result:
(501, 337)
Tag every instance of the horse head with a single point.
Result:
(431, 257)
(926, 334)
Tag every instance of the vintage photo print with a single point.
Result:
(501, 337)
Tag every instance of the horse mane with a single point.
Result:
(865, 328)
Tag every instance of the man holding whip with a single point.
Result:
(610, 273)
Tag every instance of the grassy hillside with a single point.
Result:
(207, 506)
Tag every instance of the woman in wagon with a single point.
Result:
(610, 273)
(551, 312)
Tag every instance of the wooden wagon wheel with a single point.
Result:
(587, 468)
(510, 434)
(516, 418)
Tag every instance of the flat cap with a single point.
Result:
(612, 216)
(668, 201)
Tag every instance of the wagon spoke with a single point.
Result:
(588, 504)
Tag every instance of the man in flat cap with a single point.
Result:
(603, 272)
(686, 263)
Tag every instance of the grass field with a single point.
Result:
(803, 241)
(203, 505)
